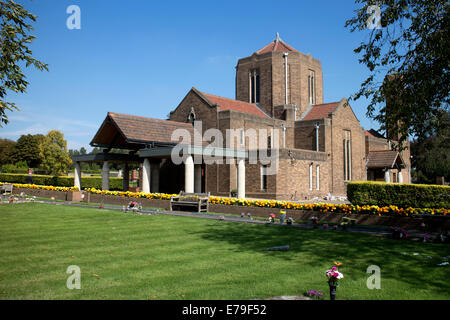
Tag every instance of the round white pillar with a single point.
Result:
(146, 176)
(400, 176)
(387, 175)
(241, 179)
(189, 174)
(77, 175)
(105, 176)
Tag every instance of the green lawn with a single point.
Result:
(126, 256)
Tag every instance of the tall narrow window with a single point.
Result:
(264, 178)
(242, 134)
(311, 87)
(318, 178)
(311, 176)
(347, 148)
(269, 142)
(254, 86)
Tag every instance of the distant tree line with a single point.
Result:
(47, 153)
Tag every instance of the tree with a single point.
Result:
(431, 155)
(14, 50)
(6, 149)
(28, 148)
(411, 50)
(55, 157)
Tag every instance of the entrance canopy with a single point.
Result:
(123, 131)
(384, 159)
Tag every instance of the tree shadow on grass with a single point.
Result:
(322, 246)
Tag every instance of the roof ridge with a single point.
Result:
(148, 118)
(229, 98)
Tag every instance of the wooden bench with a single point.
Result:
(197, 201)
(6, 189)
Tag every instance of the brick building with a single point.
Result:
(278, 112)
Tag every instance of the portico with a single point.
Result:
(148, 143)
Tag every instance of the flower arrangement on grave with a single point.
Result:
(315, 221)
(272, 218)
(134, 206)
(399, 233)
(426, 237)
(314, 294)
(333, 276)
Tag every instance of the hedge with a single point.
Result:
(61, 181)
(398, 194)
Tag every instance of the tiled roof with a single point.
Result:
(320, 111)
(373, 133)
(276, 46)
(382, 159)
(137, 129)
(235, 105)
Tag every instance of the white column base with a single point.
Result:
(146, 176)
(189, 174)
(77, 176)
(241, 179)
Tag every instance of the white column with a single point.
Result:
(77, 175)
(400, 176)
(105, 176)
(387, 175)
(189, 174)
(198, 178)
(155, 177)
(241, 179)
(146, 176)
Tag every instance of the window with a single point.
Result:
(311, 176)
(242, 137)
(347, 148)
(311, 87)
(269, 142)
(264, 178)
(318, 178)
(254, 86)
(191, 117)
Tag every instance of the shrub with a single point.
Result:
(61, 181)
(398, 194)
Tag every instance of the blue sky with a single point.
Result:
(142, 57)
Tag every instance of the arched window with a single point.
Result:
(191, 117)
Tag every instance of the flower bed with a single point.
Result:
(277, 204)
(41, 187)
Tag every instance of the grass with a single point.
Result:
(127, 256)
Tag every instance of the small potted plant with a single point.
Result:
(333, 276)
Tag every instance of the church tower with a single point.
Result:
(278, 75)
